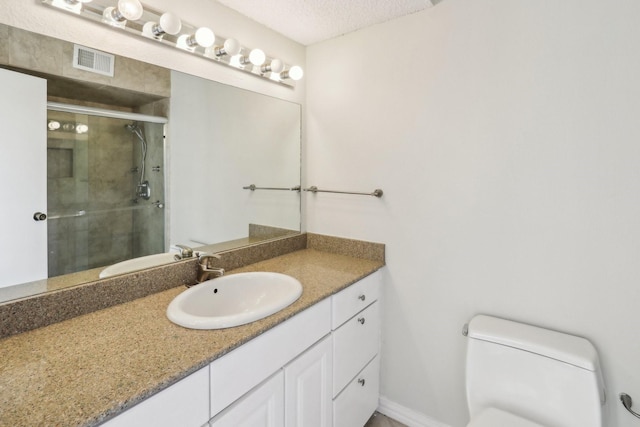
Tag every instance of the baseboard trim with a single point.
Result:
(405, 415)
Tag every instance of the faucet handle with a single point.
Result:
(185, 251)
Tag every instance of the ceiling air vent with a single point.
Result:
(92, 60)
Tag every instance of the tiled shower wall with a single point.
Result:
(95, 173)
(149, 224)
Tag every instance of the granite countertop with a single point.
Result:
(85, 370)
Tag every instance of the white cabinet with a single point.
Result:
(297, 395)
(354, 345)
(262, 407)
(318, 369)
(186, 403)
(238, 371)
(308, 387)
(351, 300)
(356, 342)
(355, 404)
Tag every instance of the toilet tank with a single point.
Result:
(548, 377)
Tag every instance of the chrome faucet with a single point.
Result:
(185, 252)
(205, 270)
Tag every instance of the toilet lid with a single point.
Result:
(493, 417)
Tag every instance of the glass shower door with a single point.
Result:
(105, 192)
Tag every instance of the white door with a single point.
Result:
(23, 178)
(261, 407)
(307, 385)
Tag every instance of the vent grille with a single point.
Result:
(92, 60)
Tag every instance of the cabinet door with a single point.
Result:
(308, 387)
(261, 407)
(186, 403)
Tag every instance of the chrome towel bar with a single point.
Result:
(377, 192)
(252, 187)
(72, 214)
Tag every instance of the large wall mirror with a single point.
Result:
(183, 161)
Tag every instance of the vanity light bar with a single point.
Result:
(168, 29)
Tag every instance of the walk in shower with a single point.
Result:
(105, 195)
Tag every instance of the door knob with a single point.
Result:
(39, 216)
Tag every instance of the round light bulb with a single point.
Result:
(277, 66)
(232, 47)
(257, 57)
(205, 37)
(82, 128)
(295, 73)
(131, 10)
(170, 23)
(53, 125)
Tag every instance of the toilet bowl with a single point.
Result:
(519, 375)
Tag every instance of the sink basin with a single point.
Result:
(233, 300)
(138, 264)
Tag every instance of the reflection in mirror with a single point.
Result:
(224, 139)
(219, 140)
(105, 191)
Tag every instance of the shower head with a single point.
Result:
(131, 127)
(135, 129)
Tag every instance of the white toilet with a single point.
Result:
(524, 376)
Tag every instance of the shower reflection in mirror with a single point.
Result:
(99, 190)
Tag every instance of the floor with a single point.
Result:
(379, 420)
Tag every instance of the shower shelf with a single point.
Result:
(59, 215)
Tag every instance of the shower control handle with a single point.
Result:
(39, 216)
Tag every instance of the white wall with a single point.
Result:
(31, 15)
(246, 138)
(505, 135)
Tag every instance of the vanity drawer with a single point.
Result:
(359, 400)
(348, 302)
(354, 344)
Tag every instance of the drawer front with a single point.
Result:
(355, 405)
(351, 300)
(354, 344)
(239, 371)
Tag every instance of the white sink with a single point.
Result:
(233, 300)
(138, 264)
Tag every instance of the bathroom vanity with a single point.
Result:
(318, 368)
(128, 365)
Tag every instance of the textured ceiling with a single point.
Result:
(312, 21)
